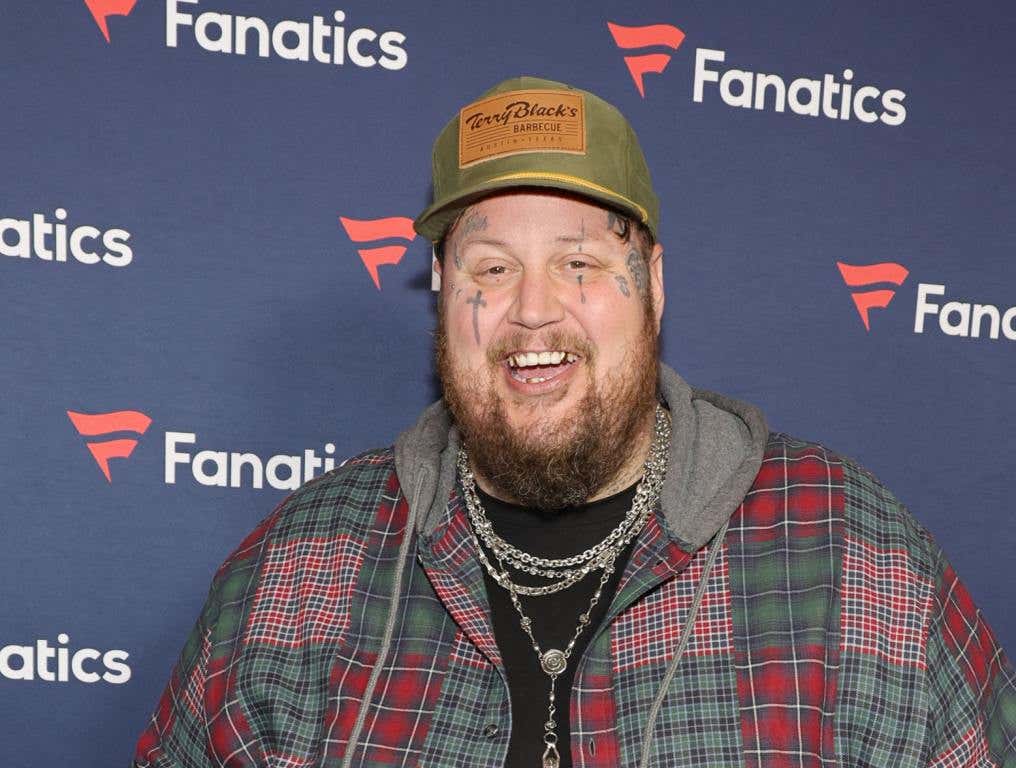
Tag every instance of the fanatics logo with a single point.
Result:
(836, 97)
(103, 9)
(103, 424)
(373, 230)
(869, 275)
(627, 38)
(967, 320)
(208, 467)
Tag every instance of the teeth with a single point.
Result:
(527, 359)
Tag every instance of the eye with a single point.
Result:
(577, 264)
(491, 272)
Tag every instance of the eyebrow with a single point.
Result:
(577, 238)
(484, 241)
(494, 242)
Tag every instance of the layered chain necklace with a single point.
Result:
(567, 571)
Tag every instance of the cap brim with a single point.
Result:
(435, 220)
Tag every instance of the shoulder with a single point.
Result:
(827, 484)
(343, 503)
(345, 497)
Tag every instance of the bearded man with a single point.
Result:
(575, 558)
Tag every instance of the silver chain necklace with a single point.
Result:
(565, 571)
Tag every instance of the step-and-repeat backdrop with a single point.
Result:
(210, 291)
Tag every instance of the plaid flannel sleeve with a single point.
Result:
(175, 732)
(971, 683)
(192, 720)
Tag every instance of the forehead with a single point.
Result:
(535, 213)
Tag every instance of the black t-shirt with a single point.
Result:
(555, 617)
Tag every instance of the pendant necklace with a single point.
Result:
(564, 572)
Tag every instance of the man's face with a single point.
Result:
(547, 344)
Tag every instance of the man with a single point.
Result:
(576, 558)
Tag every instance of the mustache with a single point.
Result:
(518, 341)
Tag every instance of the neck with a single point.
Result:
(631, 471)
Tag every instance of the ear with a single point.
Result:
(435, 270)
(656, 282)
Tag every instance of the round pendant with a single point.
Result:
(553, 662)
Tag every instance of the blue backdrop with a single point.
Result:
(178, 285)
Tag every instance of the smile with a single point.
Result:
(539, 367)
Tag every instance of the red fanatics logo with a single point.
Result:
(373, 230)
(103, 9)
(104, 424)
(869, 275)
(627, 38)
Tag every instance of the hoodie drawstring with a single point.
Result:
(386, 641)
(654, 711)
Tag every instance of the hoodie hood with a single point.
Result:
(716, 450)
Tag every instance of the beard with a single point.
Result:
(561, 464)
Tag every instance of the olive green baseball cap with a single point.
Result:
(531, 132)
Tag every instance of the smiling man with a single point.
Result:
(575, 558)
(563, 313)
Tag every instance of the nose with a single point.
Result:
(536, 303)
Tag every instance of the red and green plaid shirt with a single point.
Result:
(832, 632)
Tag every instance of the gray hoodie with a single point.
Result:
(715, 452)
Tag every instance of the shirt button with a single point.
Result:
(490, 730)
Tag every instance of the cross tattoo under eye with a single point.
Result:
(582, 293)
(477, 302)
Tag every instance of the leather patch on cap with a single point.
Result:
(522, 121)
